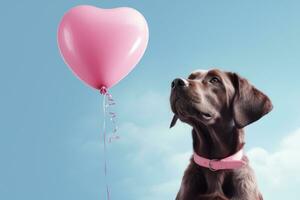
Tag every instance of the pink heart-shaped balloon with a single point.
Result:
(102, 46)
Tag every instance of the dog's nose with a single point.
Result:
(178, 82)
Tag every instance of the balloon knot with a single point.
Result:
(103, 90)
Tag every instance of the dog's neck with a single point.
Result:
(216, 142)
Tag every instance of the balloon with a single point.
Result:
(101, 46)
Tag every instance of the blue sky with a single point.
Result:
(50, 126)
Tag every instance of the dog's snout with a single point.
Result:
(178, 82)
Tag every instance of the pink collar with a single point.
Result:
(232, 162)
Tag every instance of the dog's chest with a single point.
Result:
(214, 181)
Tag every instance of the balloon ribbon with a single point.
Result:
(108, 103)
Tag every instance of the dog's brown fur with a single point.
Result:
(217, 105)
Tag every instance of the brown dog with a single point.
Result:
(217, 105)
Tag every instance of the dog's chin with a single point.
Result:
(189, 113)
(203, 117)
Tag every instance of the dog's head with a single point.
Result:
(214, 96)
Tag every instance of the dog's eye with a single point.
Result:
(214, 80)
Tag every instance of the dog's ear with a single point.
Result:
(174, 120)
(249, 104)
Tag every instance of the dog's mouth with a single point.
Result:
(189, 111)
(206, 116)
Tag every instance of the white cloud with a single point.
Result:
(165, 190)
(279, 170)
(160, 154)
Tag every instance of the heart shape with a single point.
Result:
(101, 46)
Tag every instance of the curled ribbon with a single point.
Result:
(108, 103)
